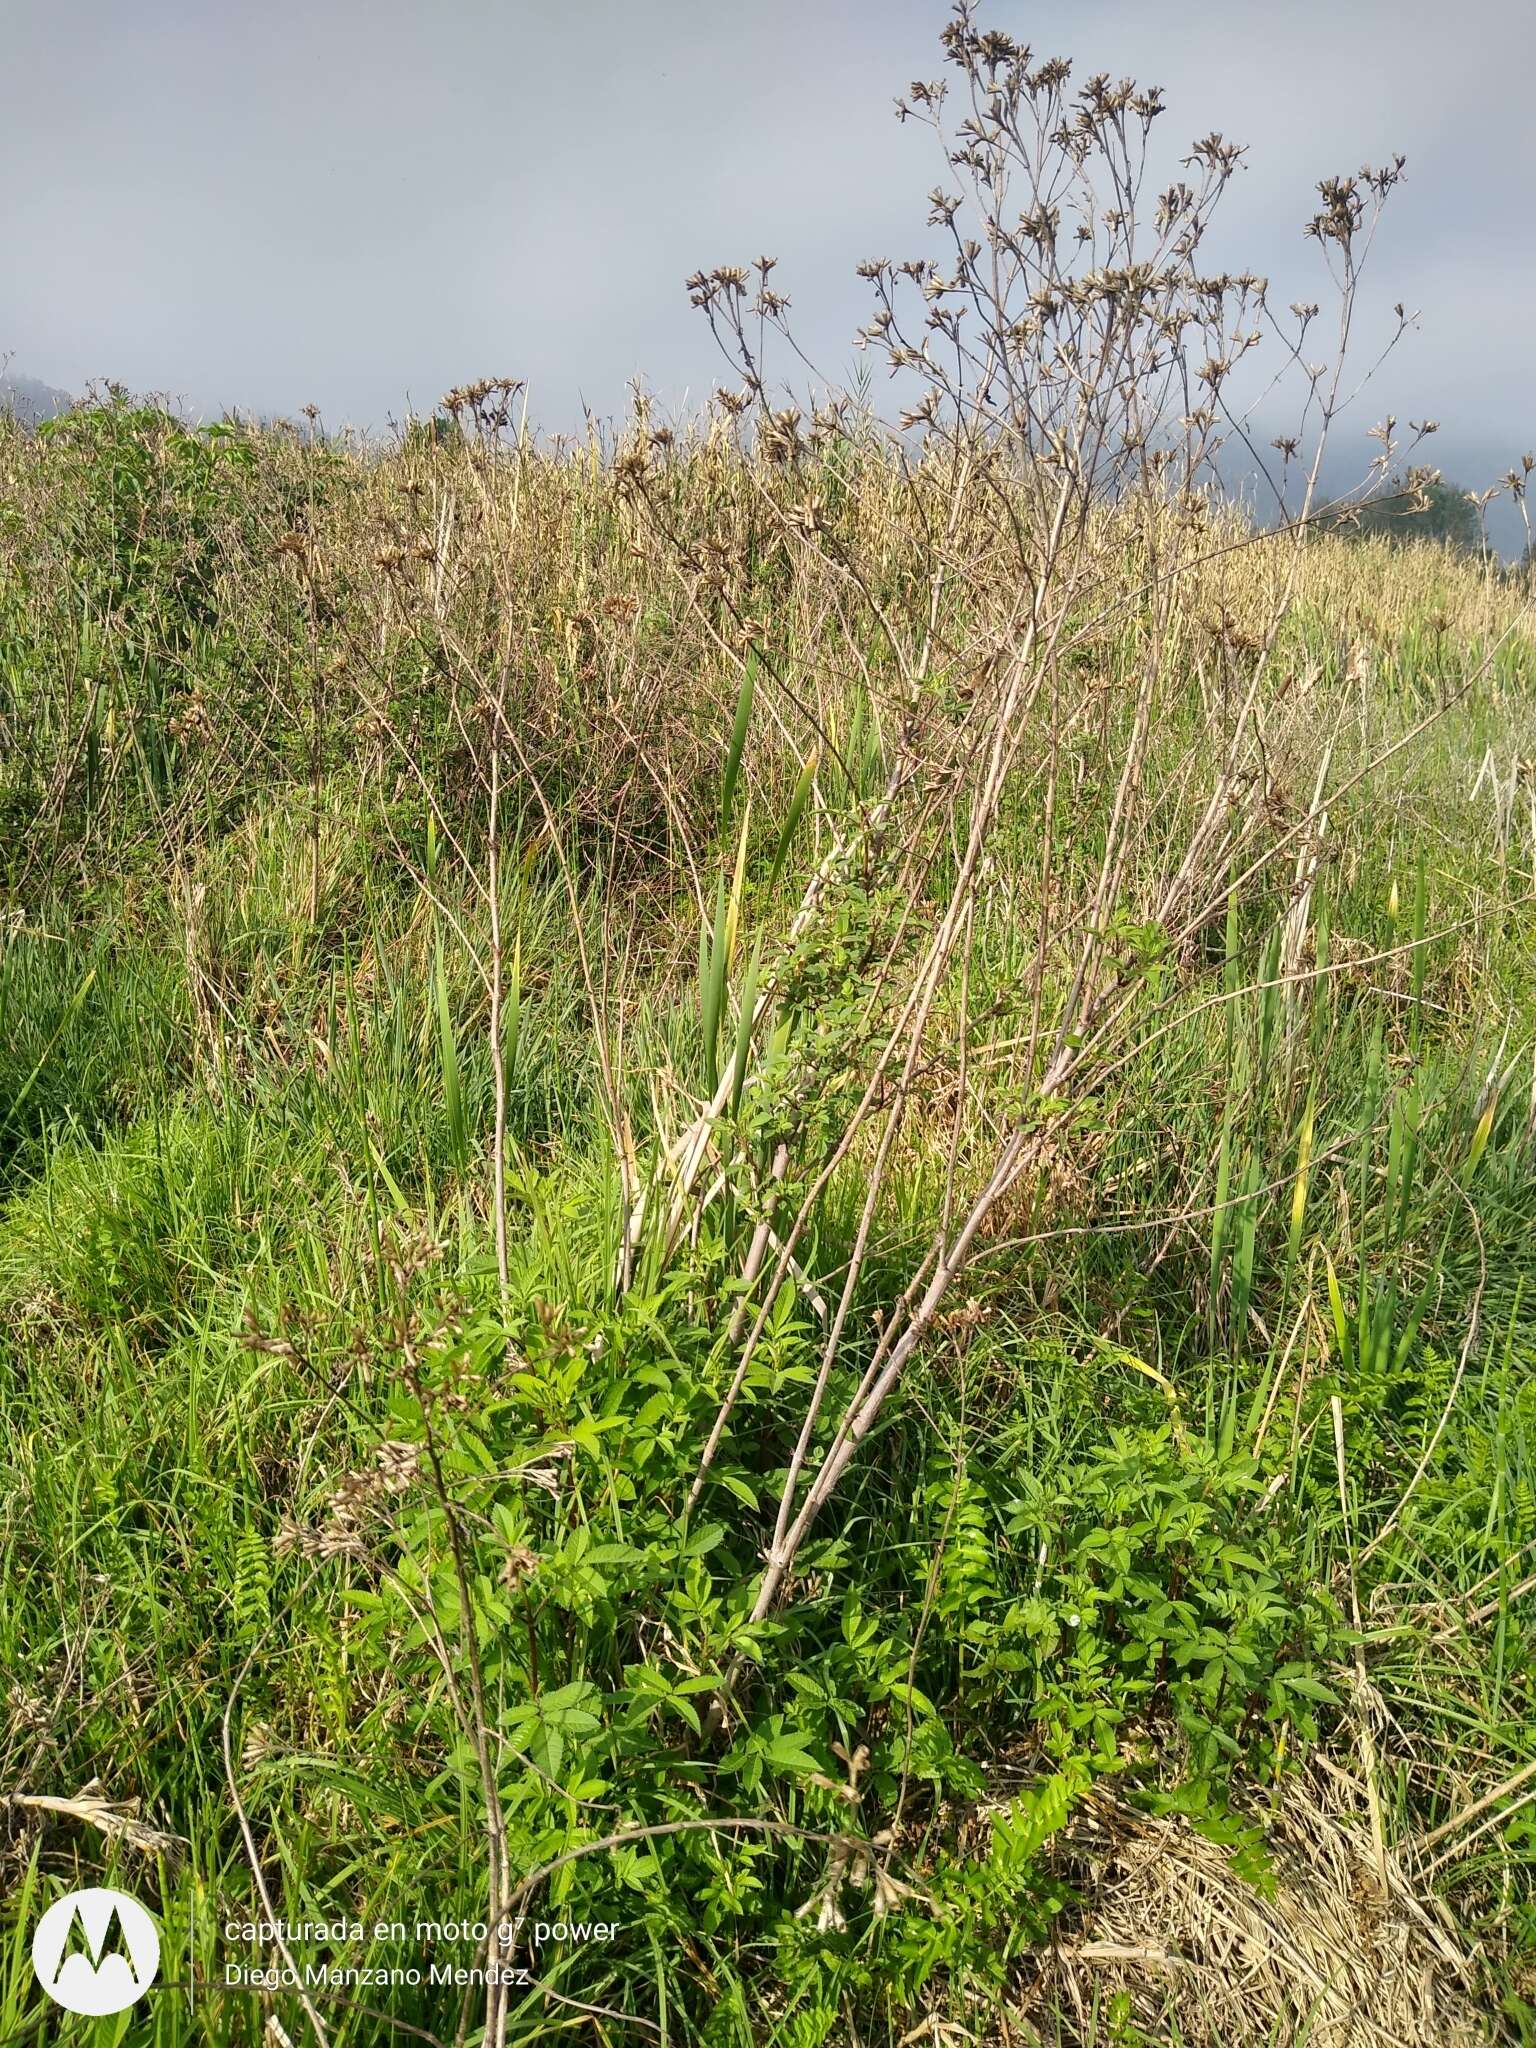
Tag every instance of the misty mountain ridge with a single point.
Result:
(31, 400)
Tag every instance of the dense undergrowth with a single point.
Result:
(480, 1109)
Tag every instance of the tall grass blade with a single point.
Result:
(739, 727)
(448, 1057)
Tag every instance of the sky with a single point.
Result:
(360, 203)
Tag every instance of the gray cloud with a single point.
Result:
(359, 201)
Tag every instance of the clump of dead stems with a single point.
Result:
(1069, 369)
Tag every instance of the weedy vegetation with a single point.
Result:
(771, 1180)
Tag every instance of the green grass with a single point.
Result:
(247, 1235)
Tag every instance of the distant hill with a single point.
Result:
(31, 400)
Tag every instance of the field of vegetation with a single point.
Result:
(769, 1190)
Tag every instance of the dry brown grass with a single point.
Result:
(1345, 1954)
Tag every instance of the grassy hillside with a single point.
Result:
(770, 1195)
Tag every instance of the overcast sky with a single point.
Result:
(362, 202)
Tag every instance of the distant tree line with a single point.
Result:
(1444, 512)
(1440, 511)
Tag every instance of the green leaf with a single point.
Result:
(787, 1752)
